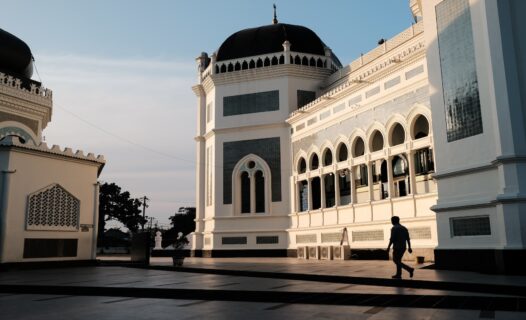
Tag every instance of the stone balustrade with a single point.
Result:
(34, 90)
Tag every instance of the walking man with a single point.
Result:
(399, 236)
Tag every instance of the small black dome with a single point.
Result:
(15, 56)
(269, 39)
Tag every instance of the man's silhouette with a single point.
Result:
(399, 236)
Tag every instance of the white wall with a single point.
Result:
(34, 172)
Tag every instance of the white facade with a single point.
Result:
(382, 97)
(48, 195)
(480, 175)
(445, 95)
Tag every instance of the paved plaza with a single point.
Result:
(259, 288)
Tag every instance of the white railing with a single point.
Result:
(15, 83)
(358, 63)
(271, 59)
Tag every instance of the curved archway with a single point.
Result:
(358, 147)
(376, 141)
(397, 135)
(302, 165)
(314, 162)
(420, 127)
(251, 186)
(13, 128)
(342, 153)
(327, 157)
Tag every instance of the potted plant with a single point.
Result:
(178, 250)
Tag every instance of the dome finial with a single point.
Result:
(275, 20)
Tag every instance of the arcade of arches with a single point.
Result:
(348, 177)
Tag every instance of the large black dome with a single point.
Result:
(269, 39)
(15, 56)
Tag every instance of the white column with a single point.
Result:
(252, 177)
(95, 230)
(4, 199)
(390, 183)
(337, 187)
(309, 185)
(370, 183)
(197, 238)
(286, 51)
(322, 191)
(412, 174)
(353, 185)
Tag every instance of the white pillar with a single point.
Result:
(353, 185)
(95, 230)
(337, 188)
(390, 183)
(309, 185)
(412, 174)
(252, 178)
(322, 191)
(286, 51)
(4, 199)
(370, 183)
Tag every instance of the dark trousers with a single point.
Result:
(397, 259)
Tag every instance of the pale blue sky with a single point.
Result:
(126, 67)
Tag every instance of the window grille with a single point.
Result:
(53, 208)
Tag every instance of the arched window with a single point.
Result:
(305, 61)
(342, 153)
(377, 141)
(259, 63)
(316, 193)
(230, 67)
(260, 191)
(397, 135)
(303, 196)
(274, 61)
(251, 185)
(244, 66)
(302, 166)
(401, 181)
(312, 62)
(245, 193)
(314, 162)
(358, 147)
(223, 68)
(330, 196)
(421, 127)
(297, 60)
(237, 66)
(327, 157)
(252, 64)
(267, 62)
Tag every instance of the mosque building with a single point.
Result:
(48, 195)
(297, 151)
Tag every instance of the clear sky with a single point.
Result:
(121, 72)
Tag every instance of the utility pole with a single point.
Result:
(144, 206)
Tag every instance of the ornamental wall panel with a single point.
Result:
(52, 208)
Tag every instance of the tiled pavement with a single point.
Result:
(116, 292)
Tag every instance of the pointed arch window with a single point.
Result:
(252, 186)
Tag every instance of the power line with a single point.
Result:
(123, 138)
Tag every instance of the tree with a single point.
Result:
(117, 205)
(182, 221)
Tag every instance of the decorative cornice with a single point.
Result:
(9, 84)
(212, 132)
(198, 90)
(14, 142)
(357, 81)
(270, 72)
